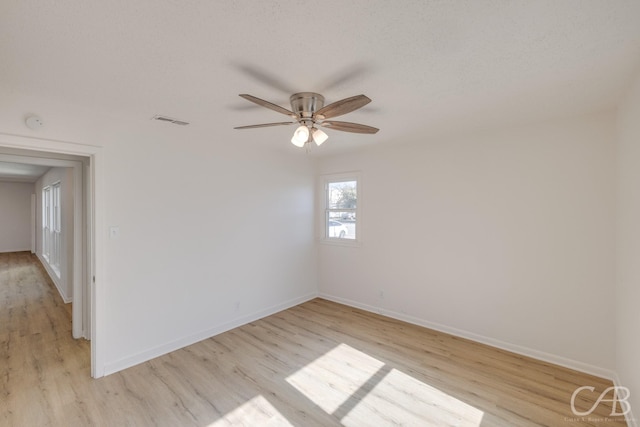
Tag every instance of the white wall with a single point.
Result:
(15, 216)
(65, 176)
(505, 237)
(628, 249)
(211, 236)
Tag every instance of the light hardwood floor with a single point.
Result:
(317, 364)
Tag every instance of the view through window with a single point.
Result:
(341, 209)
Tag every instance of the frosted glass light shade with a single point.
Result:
(319, 136)
(300, 136)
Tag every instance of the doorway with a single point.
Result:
(81, 162)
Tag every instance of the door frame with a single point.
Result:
(88, 238)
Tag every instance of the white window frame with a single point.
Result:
(325, 180)
(46, 222)
(52, 225)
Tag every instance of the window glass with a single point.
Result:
(341, 209)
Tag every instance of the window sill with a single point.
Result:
(334, 241)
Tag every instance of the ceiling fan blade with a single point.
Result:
(351, 73)
(264, 125)
(265, 77)
(268, 104)
(349, 127)
(343, 106)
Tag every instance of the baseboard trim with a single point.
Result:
(54, 279)
(7, 251)
(514, 348)
(144, 356)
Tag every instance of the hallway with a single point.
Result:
(37, 350)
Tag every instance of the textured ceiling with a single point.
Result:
(430, 67)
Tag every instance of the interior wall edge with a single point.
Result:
(629, 418)
(152, 353)
(514, 348)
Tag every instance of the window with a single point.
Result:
(341, 208)
(51, 226)
(46, 222)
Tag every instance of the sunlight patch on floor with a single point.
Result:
(256, 412)
(331, 379)
(401, 399)
(357, 388)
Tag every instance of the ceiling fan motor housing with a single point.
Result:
(305, 104)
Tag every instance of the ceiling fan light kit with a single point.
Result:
(319, 136)
(308, 111)
(300, 136)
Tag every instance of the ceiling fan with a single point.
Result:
(308, 111)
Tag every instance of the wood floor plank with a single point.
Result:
(316, 364)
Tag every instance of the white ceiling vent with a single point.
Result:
(170, 120)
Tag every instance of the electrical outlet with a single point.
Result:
(237, 306)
